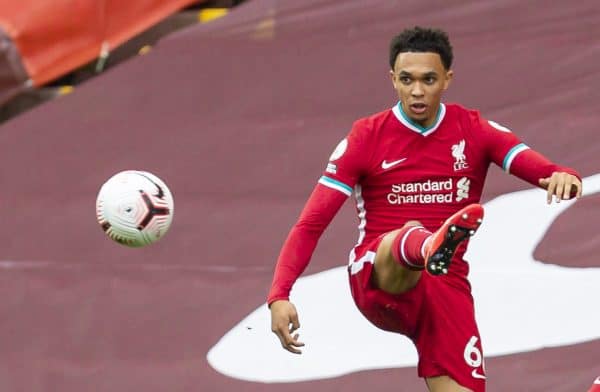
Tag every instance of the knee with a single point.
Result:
(412, 223)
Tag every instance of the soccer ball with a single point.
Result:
(134, 208)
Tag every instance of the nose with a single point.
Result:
(417, 90)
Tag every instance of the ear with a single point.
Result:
(393, 77)
(449, 76)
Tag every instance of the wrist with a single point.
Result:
(271, 301)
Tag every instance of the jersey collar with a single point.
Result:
(424, 131)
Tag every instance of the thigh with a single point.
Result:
(388, 273)
(390, 312)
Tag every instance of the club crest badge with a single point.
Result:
(458, 152)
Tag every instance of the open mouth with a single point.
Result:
(418, 108)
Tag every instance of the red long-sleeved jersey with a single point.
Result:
(400, 171)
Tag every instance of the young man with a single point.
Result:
(417, 172)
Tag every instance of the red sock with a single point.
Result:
(407, 247)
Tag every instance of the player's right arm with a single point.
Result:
(334, 187)
(321, 207)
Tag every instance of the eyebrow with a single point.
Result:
(425, 75)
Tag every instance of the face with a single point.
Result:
(420, 80)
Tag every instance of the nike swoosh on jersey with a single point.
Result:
(477, 375)
(386, 165)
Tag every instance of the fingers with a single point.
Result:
(579, 186)
(566, 193)
(295, 323)
(561, 186)
(289, 342)
(292, 343)
(551, 188)
(284, 321)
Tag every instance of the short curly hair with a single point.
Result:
(421, 39)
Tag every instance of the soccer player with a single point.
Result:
(417, 172)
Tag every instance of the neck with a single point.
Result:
(424, 123)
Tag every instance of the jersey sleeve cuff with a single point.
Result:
(511, 155)
(335, 184)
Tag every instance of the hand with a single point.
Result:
(284, 321)
(562, 186)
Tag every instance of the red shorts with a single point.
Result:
(437, 315)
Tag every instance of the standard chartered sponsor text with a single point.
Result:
(423, 186)
(412, 192)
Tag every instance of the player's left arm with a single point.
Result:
(516, 158)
